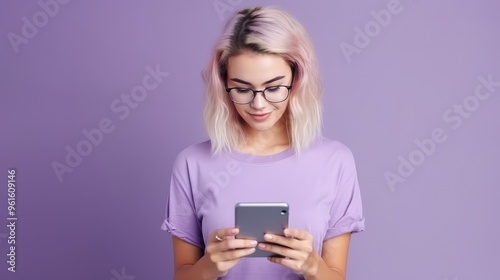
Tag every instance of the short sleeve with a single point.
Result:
(346, 212)
(180, 215)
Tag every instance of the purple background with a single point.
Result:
(103, 220)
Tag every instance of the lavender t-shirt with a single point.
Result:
(320, 185)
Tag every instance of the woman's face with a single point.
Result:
(259, 71)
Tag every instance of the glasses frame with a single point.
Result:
(255, 93)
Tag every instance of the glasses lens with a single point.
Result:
(246, 95)
(241, 95)
(276, 94)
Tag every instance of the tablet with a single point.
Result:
(254, 219)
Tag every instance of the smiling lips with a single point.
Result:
(260, 117)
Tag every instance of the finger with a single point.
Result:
(281, 240)
(234, 244)
(298, 234)
(283, 251)
(305, 245)
(233, 254)
(230, 244)
(224, 232)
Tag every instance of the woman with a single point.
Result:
(263, 117)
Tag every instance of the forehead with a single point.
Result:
(257, 67)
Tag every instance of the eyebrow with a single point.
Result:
(250, 84)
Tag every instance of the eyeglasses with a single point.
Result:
(274, 94)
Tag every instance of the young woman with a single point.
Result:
(263, 117)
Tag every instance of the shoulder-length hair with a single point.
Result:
(267, 30)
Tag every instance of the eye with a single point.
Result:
(242, 90)
(273, 89)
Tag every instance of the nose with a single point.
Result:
(259, 101)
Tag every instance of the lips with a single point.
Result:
(260, 117)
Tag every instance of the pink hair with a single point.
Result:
(266, 30)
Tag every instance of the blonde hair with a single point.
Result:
(267, 30)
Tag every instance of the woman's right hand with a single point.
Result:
(223, 255)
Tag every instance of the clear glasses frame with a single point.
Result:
(228, 90)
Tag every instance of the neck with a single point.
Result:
(268, 141)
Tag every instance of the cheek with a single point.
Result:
(239, 110)
(282, 107)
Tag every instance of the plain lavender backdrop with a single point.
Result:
(103, 220)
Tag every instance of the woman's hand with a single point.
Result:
(223, 250)
(300, 255)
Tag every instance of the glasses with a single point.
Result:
(274, 94)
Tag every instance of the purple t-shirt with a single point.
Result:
(320, 186)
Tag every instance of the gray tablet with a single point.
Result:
(254, 219)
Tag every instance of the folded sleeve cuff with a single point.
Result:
(354, 227)
(170, 228)
(166, 226)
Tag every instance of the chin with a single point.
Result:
(262, 126)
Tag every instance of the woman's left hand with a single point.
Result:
(300, 255)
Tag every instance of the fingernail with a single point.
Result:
(268, 236)
(234, 230)
(253, 242)
(262, 246)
